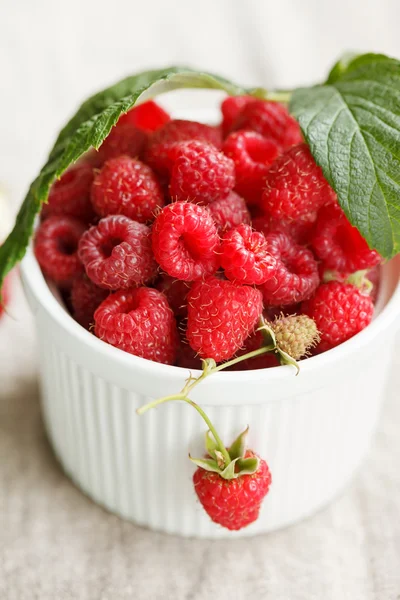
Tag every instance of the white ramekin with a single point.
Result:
(312, 429)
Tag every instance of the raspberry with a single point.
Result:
(245, 256)
(295, 187)
(201, 173)
(300, 230)
(185, 241)
(178, 130)
(233, 503)
(56, 245)
(271, 120)
(221, 315)
(231, 108)
(138, 321)
(295, 335)
(126, 186)
(117, 253)
(85, 298)
(252, 154)
(340, 311)
(339, 245)
(296, 276)
(148, 116)
(176, 292)
(122, 139)
(70, 195)
(229, 212)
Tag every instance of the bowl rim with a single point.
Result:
(40, 295)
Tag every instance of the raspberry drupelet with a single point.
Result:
(117, 254)
(295, 187)
(185, 241)
(296, 275)
(56, 248)
(139, 321)
(221, 315)
(340, 311)
(229, 212)
(200, 173)
(245, 256)
(128, 187)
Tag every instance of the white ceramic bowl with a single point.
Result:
(312, 429)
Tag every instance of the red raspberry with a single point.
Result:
(129, 187)
(122, 139)
(56, 245)
(178, 130)
(340, 311)
(271, 120)
(295, 187)
(140, 322)
(296, 276)
(340, 245)
(176, 292)
(148, 116)
(221, 315)
(233, 503)
(117, 253)
(245, 256)
(85, 298)
(201, 173)
(252, 154)
(300, 230)
(229, 212)
(70, 195)
(231, 108)
(185, 241)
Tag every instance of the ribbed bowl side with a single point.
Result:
(138, 468)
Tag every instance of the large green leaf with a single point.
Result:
(88, 128)
(352, 124)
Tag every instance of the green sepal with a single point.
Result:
(286, 359)
(208, 464)
(360, 280)
(207, 365)
(248, 466)
(238, 447)
(267, 333)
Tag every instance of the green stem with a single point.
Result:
(283, 97)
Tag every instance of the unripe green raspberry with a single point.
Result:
(295, 335)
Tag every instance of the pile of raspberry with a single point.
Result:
(175, 237)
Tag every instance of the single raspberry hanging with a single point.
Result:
(230, 108)
(221, 315)
(117, 253)
(138, 321)
(70, 195)
(245, 256)
(157, 153)
(122, 139)
(295, 187)
(128, 187)
(270, 119)
(56, 245)
(339, 245)
(176, 292)
(148, 116)
(295, 335)
(185, 241)
(340, 311)
(252, 154)
(300, 230)
(85, 298)
(230, 483)
(296, 276)
(201, 173)
(229, 212)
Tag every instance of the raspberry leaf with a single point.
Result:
(352, 124)
(88, 128)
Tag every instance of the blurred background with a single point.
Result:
(53, 54)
